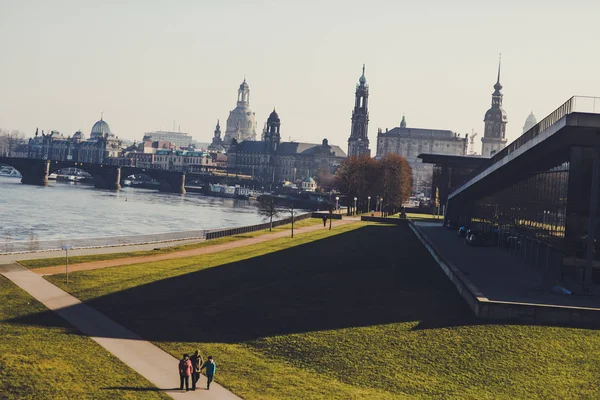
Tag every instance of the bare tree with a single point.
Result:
(8, 243)
(10, 140)
(267, 209)
(32, 241)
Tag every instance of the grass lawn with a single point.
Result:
(50, 262)
(365, 313)
(42, 357)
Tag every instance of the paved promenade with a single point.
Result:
(498, 275)
(154, 364)
(181, 254)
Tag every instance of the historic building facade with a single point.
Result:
(410, 142)
(101, 148)
(494, 134)
(272, 161)
(358, 143)
(241, 124)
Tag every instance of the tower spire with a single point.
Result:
(499, 64)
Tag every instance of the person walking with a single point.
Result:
(211, 368)
(185, 370)
(324, 220)
(197, 362)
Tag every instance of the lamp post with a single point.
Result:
(381, 207)
(355, 206)
(337, 203)
(66, 249)
(368, 204)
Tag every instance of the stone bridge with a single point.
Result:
(106, 176)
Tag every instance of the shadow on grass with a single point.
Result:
(372, 275)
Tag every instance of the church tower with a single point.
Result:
(272, 133)
(358, 143)
(494, 139)
(217, 137)
(217, 142)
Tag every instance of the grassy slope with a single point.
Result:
(42, 357)
(362, 314)
(49, 262)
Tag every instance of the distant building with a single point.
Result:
(273, 161)
(309, 185)
(530, 122)
(185, 161)
(358, 143)
(494, 139)
(410, 142)
(241, 124)
(102, 147)
(179, 139)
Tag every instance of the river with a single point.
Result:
(64, 212)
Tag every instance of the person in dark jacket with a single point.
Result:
(324, 220)
(211, 368)
(197, 362)
(185, 370)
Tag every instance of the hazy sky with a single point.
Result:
(147, 63)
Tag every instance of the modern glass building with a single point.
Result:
(539, 195)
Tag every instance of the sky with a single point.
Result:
(146, 64)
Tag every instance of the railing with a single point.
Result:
(219, 233)
(18, 246)
(581, 104)
(22, 246)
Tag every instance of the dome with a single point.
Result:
(530, 122)
(495, 114)
(274, 117)
(99, 129)
(531, 119)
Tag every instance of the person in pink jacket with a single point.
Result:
(185, 370)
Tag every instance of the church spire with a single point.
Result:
(498, 85)
(362, 78)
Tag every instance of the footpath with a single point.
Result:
(154, 364)
(59, 269)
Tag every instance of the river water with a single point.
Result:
(65, 212)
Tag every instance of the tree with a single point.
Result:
(10, 140)
(357, 177)
(390, 179)
(395, 180)
(267, 209)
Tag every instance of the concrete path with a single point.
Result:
(159, 367)
(185, 253)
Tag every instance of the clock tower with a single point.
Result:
(494, 139)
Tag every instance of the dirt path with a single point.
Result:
(184, 253)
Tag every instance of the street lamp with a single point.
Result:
(381, 207)
(355, 206)
(66, 249)
(337, 203)
(368, 204)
